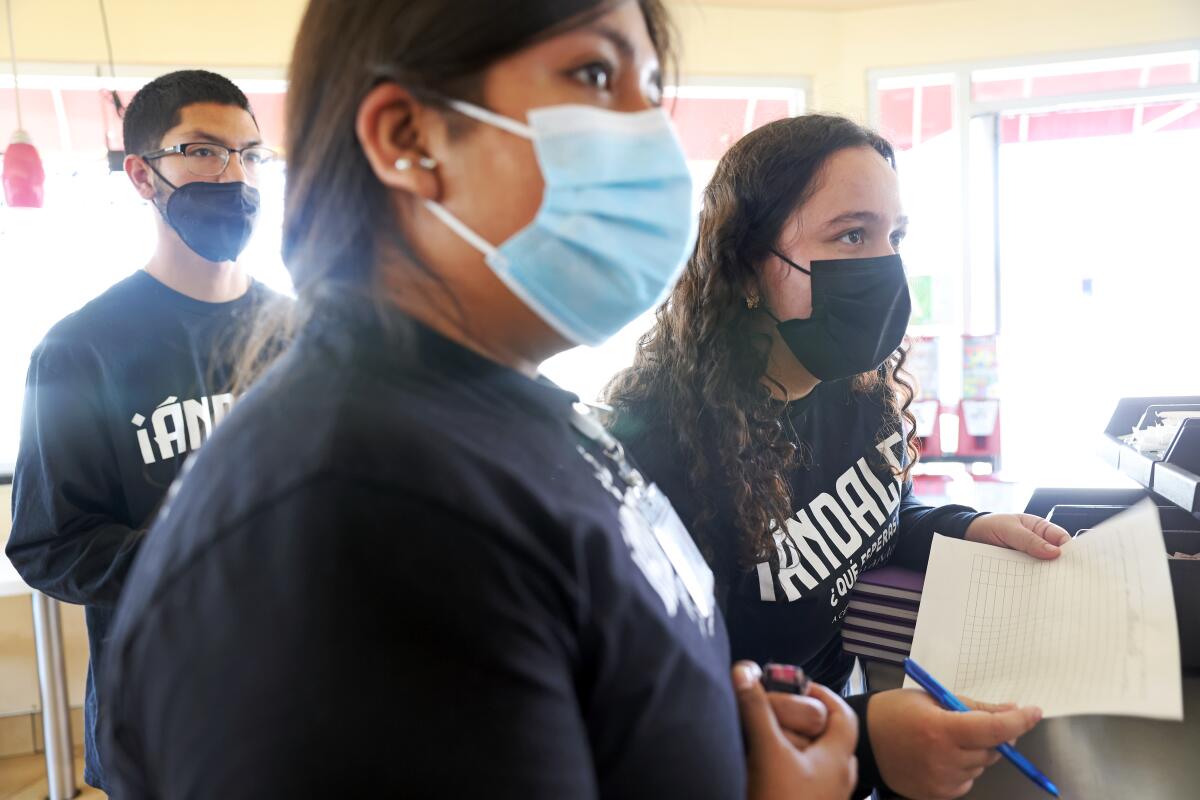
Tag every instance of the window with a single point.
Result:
(1063, 173)
(915, 111)
(920, 116)
(1065, 78)
(1090, 201)
(710, 118)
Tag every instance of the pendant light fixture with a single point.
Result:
(23, 176)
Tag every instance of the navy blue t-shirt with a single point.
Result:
(850, 514)
(398, 571)
(118, 395)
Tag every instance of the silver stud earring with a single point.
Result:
(424, 162)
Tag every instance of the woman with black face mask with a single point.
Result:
(769, 402)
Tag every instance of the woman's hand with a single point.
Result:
(1025, 532)
(925, 752)
(802, 718)
(825, 770)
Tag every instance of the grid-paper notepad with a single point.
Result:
(1091, 632)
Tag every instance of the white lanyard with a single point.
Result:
(647, 500)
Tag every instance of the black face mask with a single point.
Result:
(860, 311)
(214, 219)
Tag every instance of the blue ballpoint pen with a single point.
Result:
(949, 701)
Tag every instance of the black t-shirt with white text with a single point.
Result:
(117, 395)
(394, 535)
(850, 513)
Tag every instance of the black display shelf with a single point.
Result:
(1131, 412)
(1044, 500)
(1175, 476)
(1172, 481)
(1075, 517)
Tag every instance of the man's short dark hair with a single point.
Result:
(156, 108)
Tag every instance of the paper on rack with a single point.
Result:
(1091, 632)
(1156, 439)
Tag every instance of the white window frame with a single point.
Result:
(960, 73)
(797, 90)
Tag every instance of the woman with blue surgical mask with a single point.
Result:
(409, 566)
(770, 403)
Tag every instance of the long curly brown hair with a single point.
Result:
(699, 370)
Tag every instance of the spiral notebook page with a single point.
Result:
(1092, 632)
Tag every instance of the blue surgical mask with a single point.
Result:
(615, 224)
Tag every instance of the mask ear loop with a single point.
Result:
(161, 177)
(161, 211)
(791, 263)
(795, 437)
(490, 252)
(491, 118)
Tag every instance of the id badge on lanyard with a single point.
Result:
(681, 550)
(647, 500)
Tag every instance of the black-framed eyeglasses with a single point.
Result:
(208, 160)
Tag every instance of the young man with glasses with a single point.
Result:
(121, 391)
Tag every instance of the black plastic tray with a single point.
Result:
(1080, 516)
(1176, 476)
(1129, 412)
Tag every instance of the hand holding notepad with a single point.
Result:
(1091, 632)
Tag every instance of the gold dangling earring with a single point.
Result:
(752, 301)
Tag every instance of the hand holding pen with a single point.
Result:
(948, 701)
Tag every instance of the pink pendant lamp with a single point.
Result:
(23, 176)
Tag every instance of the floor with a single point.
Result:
(24, 778)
